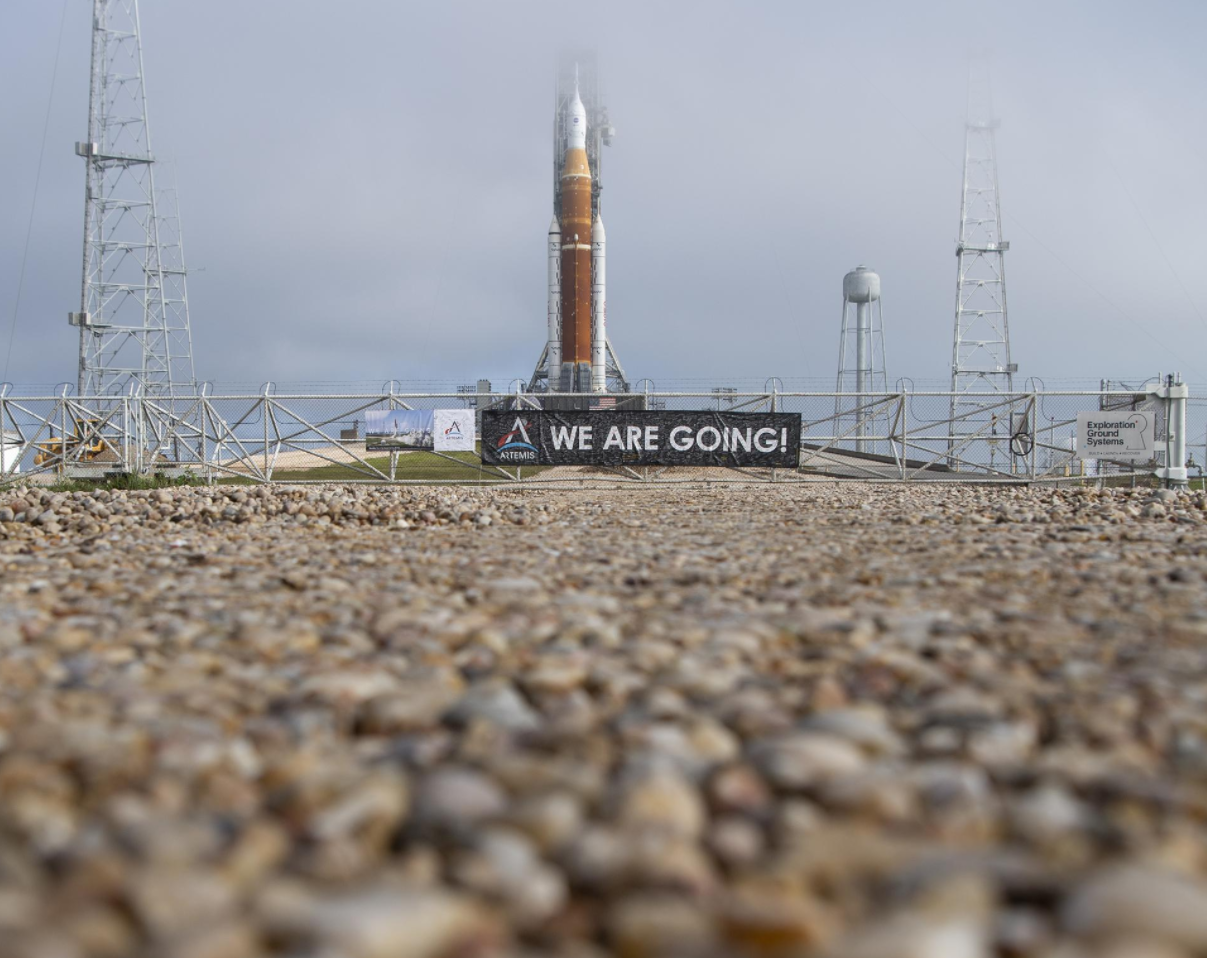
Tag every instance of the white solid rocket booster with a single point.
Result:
(554, 357)
(599, 307)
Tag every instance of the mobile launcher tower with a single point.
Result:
(578, 356)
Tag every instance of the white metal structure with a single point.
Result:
(861, 363)
(980, 355)
(599, 306)
(299, 438)
(553, 348)
(576, 74)
(133, 317)
(10, 453)
(1174, 393)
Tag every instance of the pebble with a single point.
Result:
(499, 703)
(504, 866)
(456, 799)
(772, 721)
(550, 819)
(385, 922)
(802, 760)
(1135, 901)
(866, 727)
(662, 800)
(653, 926)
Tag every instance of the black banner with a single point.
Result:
(616, 437)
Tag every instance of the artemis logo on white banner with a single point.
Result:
(454, 429)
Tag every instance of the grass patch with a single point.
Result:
(415, 466)
(127, 481)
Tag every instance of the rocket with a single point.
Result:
(599, 309)
(577, 292)
(576, 253)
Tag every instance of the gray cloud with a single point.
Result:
(367, 191)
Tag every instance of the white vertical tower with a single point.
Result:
(861, 364)
(133, 318)
(980, 354)
(599, 307)
(553, 346)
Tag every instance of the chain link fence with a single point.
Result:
(893, 437)
(1196, 438)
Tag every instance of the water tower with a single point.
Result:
(861, 367)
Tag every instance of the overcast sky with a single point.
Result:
(365, 186)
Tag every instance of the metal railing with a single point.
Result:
(903, 435)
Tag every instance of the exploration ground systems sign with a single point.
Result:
(641, 438)
(1116, 435)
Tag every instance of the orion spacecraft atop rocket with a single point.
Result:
(578, 357)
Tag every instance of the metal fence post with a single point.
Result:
(125, 435)
(904, 433)
(63, 435)
(4, 436)
(264, 408)
(264, 419)
(1034, 431)
(142, 434)
(202, 445)
(774, 385)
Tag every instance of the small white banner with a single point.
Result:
(454, 430)
(1116, 435)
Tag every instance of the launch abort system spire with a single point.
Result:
(980, 356)
(133, 318)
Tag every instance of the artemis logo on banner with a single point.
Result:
(515, 445)
(454, 430)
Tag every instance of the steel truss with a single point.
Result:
(1001, 438)
(861, 364)
(133, 319)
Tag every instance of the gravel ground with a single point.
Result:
(851, 722)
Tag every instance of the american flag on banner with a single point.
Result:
(607, 402)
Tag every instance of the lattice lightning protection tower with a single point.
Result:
(980, 360)
(133, 318)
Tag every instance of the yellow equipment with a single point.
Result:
(79, 449)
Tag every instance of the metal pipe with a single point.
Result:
(1175, 392)
(554, 358)
(863, 315)
(599, 307)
